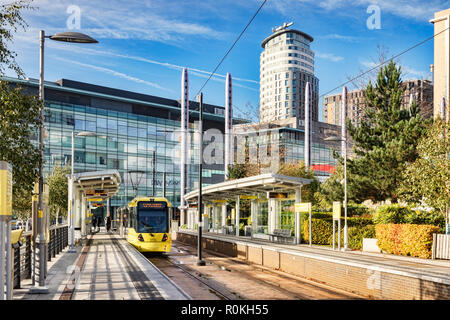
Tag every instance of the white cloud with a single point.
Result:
(411, 9)
(195, 71)
(329, 56)
(116, 20)
(407, 72)
(114, 73)
(335, 36)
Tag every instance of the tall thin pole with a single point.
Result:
(228, 123)
(200, 262)
(184, 133)
(444, 121)
(344, 154)
(153, 172)
(40, 239)
(71, 212)
(307, 126)
(164, 184)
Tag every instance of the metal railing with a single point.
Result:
(441, 246)
(23, 251)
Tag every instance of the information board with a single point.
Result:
(303, 207)
(5, 189)
(336, 210)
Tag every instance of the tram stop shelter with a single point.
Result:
(272, 200)
(89, 186)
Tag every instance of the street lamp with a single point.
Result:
(345, 186)
(74, 37)
(200, 261)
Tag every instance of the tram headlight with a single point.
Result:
(164, 238)
(140, 238)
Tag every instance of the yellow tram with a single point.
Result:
(149, 220)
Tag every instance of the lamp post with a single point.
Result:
(74, 37)
(344, 140)
(200, 261)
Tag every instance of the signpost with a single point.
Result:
(337, 216)
(5, 229)
(304, 207)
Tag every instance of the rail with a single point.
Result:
(23, 251)
(441, 246)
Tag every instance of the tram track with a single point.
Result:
(213, 286)
(243, 281)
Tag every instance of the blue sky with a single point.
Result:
(143, 44)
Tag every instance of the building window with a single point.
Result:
(287, 75)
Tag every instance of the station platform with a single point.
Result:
(106, 267)
(374, 275)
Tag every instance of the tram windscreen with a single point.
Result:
(152, 217)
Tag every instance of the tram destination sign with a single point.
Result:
(96, 193)
(152, 205)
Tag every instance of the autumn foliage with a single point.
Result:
(406, 239)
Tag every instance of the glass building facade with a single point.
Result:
(132, 131)
(289, 143)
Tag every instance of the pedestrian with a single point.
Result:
(94, 223)
(108, 223)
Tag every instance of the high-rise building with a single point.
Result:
(286, 65)
(441, 66)
(422, 91)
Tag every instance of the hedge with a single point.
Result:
(322, 231)
(398, 214)
(406, 239)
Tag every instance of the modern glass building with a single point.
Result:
(133, 131)
(288, 140)
(286, 65)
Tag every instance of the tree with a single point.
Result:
(385, 142)
(58, 191)
(19, 120)
(298, 169)
(428, 178)
(19, 114)
(10, 21)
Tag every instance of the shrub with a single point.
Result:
(357, 234)
(391, 213)
(434, 218)
(322, 229)
(398, 214)
(358, 210)
(406, 239)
